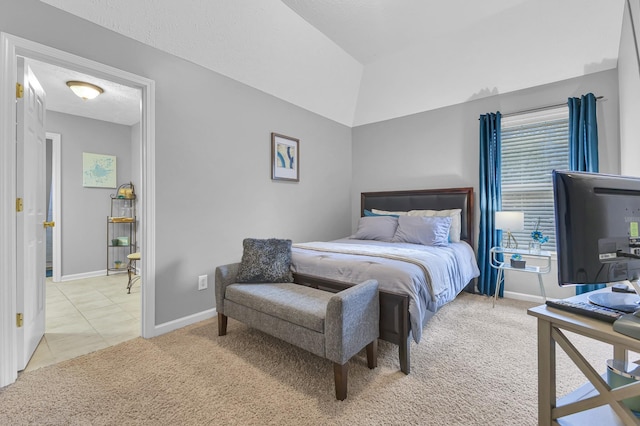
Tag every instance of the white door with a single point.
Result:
(30, 182)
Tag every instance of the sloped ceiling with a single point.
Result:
(362, 61)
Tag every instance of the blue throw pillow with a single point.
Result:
(370, 213)
(265, 261)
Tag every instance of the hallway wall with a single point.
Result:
(84, 210)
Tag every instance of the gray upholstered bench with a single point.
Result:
(334, 326)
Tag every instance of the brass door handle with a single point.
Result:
(49, 224)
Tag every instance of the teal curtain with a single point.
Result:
(583, 146)
(583, 134)
(490, 200)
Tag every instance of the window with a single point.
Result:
(533, 145)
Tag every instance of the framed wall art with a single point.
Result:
(98, 171)
(285, 158)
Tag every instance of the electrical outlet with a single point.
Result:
(202, 282)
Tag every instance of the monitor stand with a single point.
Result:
(625, 302)
(629, 324)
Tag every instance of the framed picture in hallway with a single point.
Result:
(98, 170)
(285, 158)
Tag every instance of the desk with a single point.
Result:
(588, 405)
(503, 265)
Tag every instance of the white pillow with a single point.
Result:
(456, 222)
(425, 230)
(376, 211)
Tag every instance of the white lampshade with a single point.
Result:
(510, 221)
(84, 90)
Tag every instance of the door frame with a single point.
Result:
(10, 48)
(56, 182)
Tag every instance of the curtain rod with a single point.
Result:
(540, 108)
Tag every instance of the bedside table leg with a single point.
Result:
(498, 282)
(542, 293)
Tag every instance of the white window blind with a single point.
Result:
(533, 144)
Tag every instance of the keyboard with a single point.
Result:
(587, 309)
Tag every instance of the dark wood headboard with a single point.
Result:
(425, 199)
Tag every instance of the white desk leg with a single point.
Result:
(498, 282)
(542, 293)
(546, 373)
(620, 353)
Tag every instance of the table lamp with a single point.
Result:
(510, 221)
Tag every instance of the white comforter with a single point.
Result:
(449, 269)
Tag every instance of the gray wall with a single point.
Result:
(439, 149)
(213, 185)
(85, 210)
(136, 173)
(629, 87)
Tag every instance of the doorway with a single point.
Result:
(11, 48)
(54, 206)
(85, 311)
(81, 314)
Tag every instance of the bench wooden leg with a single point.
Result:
(222, 325)
(372, 354)
(340, 378)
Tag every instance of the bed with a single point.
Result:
(415, 279)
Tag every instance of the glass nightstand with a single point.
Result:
(505, 264)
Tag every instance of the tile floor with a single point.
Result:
(83, 316)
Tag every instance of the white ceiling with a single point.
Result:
(371, 29)
(361, 61)
(118, 104)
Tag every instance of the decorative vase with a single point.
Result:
(534, 247)
(520, 264)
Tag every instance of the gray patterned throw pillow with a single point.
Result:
(265, 261)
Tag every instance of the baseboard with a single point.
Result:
(523, 296)
(184, 321)
(84, 275)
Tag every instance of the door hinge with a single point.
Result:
(19, 91)
(19, 319)
(19, 206)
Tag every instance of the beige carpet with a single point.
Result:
(475, 366)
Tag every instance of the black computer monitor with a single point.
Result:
(597, 219)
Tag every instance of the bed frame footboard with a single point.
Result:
(395, 325)
(394, 314)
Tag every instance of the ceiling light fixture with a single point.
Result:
(84, 90)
